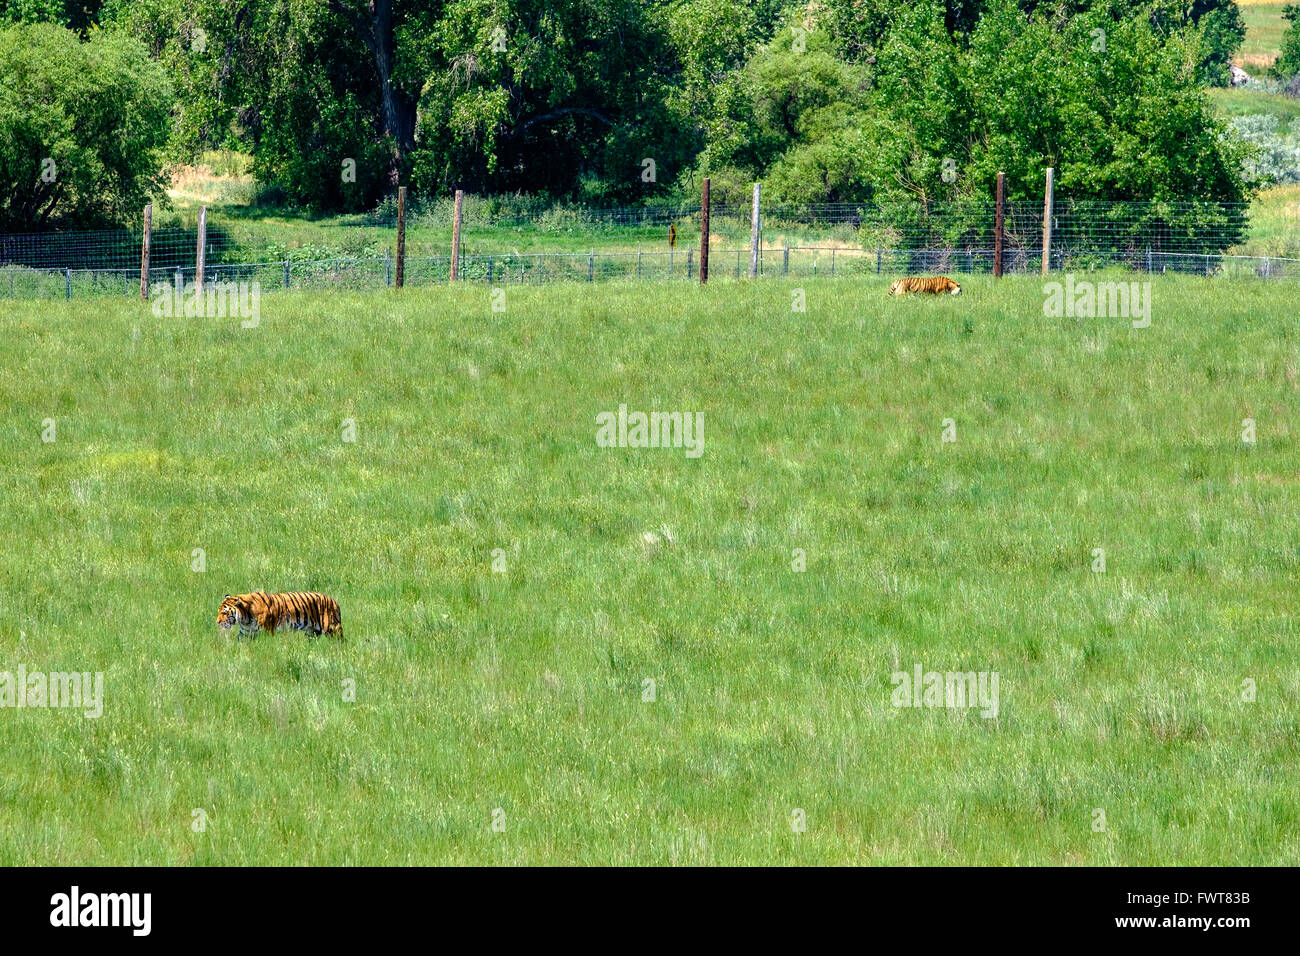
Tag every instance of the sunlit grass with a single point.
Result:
(525, 690)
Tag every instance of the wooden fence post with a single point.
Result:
(753, 233)
(401, 236)
(704, 234)
(201, 253)
(1047, 221)
(455, 236)
(144, 252)
(998, 222)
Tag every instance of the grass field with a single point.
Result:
(520, 696)
(1232, 102)
(1264, 29)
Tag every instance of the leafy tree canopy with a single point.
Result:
(82, 126)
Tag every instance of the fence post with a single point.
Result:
(144, 251)
(591, 265)
(455, 236)
(785, 261)
(1047, 221)
(753, 233)
(704, 234)
(832, 262)
(201, 253)
(67, 282)
(286, 272)
(879, 253)
(1148, 260)
(401, 236)
(689, 250)
(998, 224)
(638, 262)
(388, 267)
(490, 266)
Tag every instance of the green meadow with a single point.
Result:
(562, 653)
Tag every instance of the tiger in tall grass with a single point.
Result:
(297, 610)
(936, 285)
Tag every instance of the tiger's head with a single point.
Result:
(234, 612)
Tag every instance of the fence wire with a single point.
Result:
(800, 262)
(796, 240)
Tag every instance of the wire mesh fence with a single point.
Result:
(799, 262)
(631, 244)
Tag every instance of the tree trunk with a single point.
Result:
(375, 28)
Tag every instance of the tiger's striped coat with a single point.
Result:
(929, 285)
(297, 610)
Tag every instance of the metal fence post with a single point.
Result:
(286, 272)
(591, 265)
(785, 261)
(704, 233)
(67, 283)
(753, 233)
(689, 250)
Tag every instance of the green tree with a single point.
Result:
(76, 14)
(1123, 119)
(1287, 63)
(82, 126)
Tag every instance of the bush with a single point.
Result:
(1287, 64)
(1276, 158)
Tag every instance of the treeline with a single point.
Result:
(615, 101)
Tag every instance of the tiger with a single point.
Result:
(298, 610)
(937, 285)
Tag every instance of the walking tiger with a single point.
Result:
(297, 610)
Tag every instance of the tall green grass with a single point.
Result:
(525, 691)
